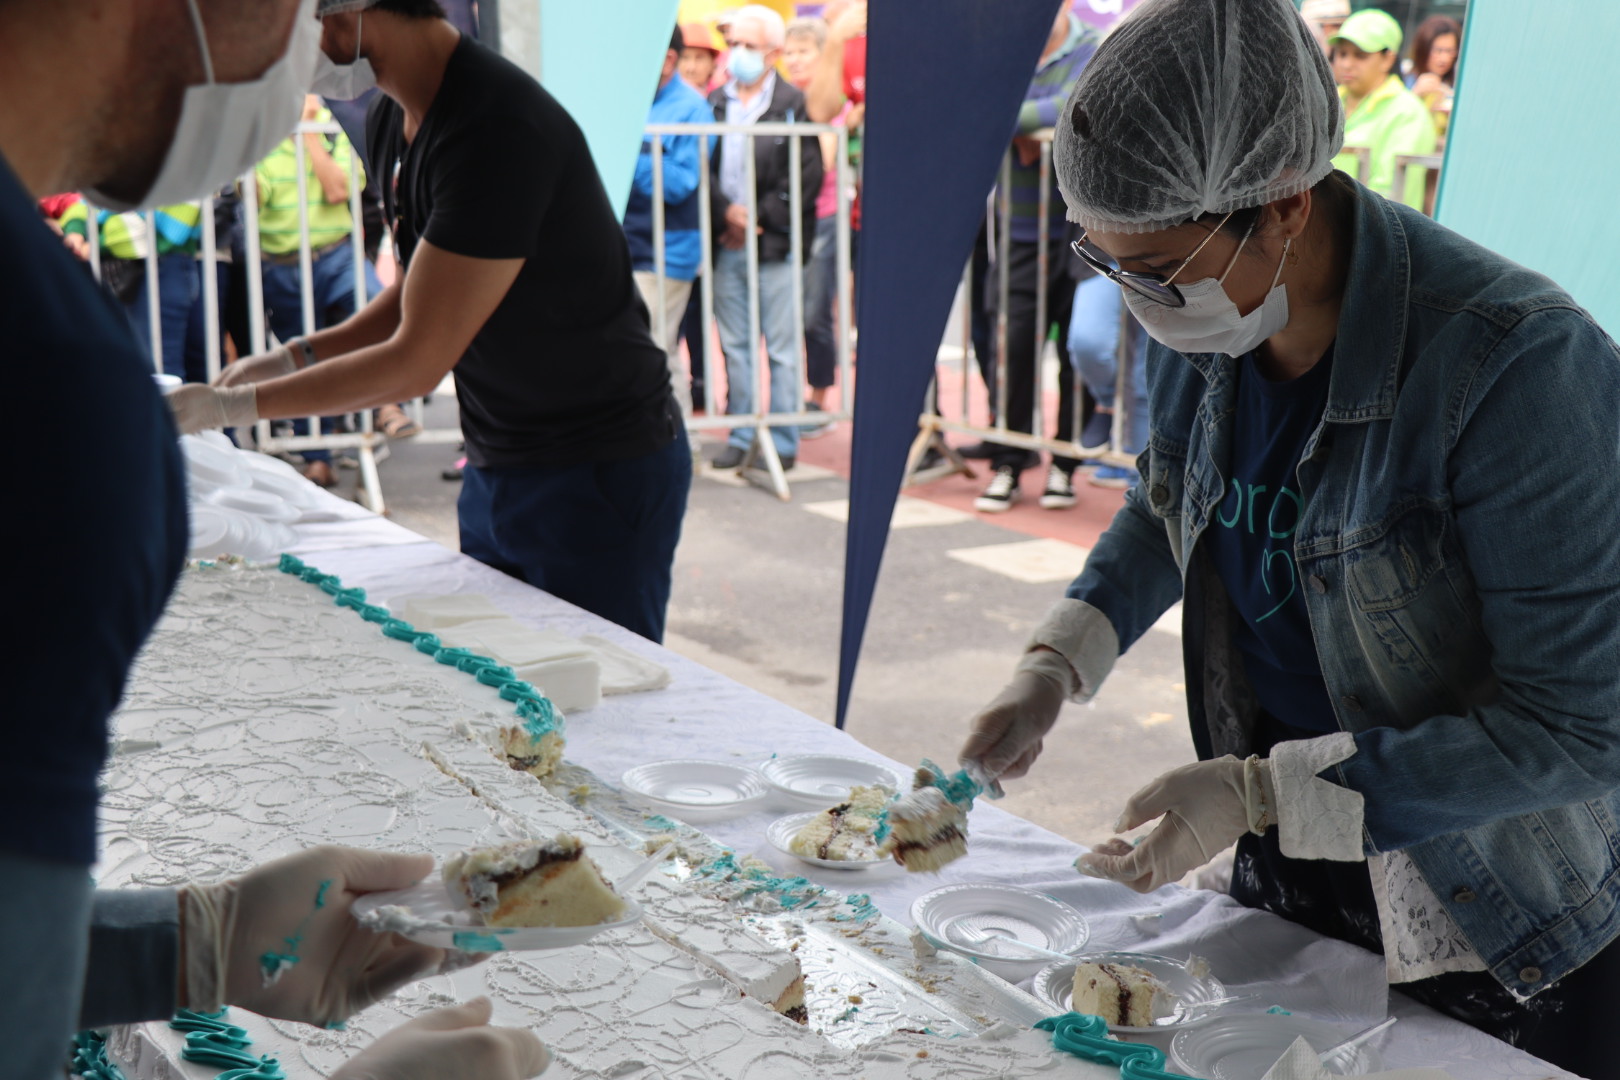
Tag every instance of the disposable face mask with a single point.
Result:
(1210, 322)
(227, 128)
(746, 65)
(344, 82)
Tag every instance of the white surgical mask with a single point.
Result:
(344, 82)
(1210, 322)
(227, 128)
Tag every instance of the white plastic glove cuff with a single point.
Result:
(208, 922)
(1051, 666)
(1084, 637)
(1316, 819)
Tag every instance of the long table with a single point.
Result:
(702, 714)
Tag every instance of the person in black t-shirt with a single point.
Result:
(517, 277)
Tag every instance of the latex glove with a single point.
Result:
(1204, 808)
(454, 1043)
(198, 408)
(1007, 734)
(280, 939)
(255, 369)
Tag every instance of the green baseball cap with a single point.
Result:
(1370, 31)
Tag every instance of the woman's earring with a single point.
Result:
(1289, 254)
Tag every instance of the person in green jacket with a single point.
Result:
(1380, 113)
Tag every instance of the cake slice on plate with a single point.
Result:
(1120, 994)
(848, 832)
(550, 883)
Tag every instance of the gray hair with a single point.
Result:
(809, 26)
(767, 20)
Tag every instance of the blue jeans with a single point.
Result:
(600, 534)
(782, 345)
(332, 277)
(44, 945)
(177, 292)
(1094, 330)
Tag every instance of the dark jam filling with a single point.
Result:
(938, 839)
(1124, 992)
(798, 1014)
(548, 857)
(522, 764)
(836, 817)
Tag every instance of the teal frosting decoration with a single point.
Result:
(90, 1059)
(790, 893)
(540, 717)
(960, 789)
(1087, 1037)
(474, 942)
(274, 963)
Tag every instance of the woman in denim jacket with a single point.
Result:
(1382, 475)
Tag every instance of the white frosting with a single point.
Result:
(438, 612)
(268, 719)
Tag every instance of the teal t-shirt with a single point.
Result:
(1251, 542)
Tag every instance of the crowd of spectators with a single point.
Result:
(750, 67)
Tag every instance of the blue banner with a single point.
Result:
(945, 83)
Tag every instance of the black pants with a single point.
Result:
(1571, 1024)
(1023, 283)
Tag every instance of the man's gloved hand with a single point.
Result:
(1205, 808)
(1007, 733)
(199, 408)
(280, 940)
(454, 1043)
(255, 369)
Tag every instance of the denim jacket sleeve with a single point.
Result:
(1131, 575)
(133, 968)
(1534, 473)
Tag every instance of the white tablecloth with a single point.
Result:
(702, 714)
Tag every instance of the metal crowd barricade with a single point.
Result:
(370, 445)
(762, 465)
(932, 425)
(1403, 162)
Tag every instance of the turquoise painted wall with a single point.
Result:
(1533, 156)
(601, 58)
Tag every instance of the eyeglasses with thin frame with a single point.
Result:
(1156, 287)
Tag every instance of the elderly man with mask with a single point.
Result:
(755, 94)
(142, 105)
(518, 278)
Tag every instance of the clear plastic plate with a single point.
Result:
(950, 917)
(1054, 985)
(817, 781)
(694, 790)
(427, 913)
(782, 831)
(1243, 1046)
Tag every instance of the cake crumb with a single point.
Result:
(922, 1053)
(581, 793)
(856, 999)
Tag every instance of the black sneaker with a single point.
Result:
(980, 451)
(729, 458)
(1001, 493)
(788, 461)
(1059, 493)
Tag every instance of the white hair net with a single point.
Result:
(1196, 107)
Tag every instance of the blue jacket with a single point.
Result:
(1460, 561)
(676, 103)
